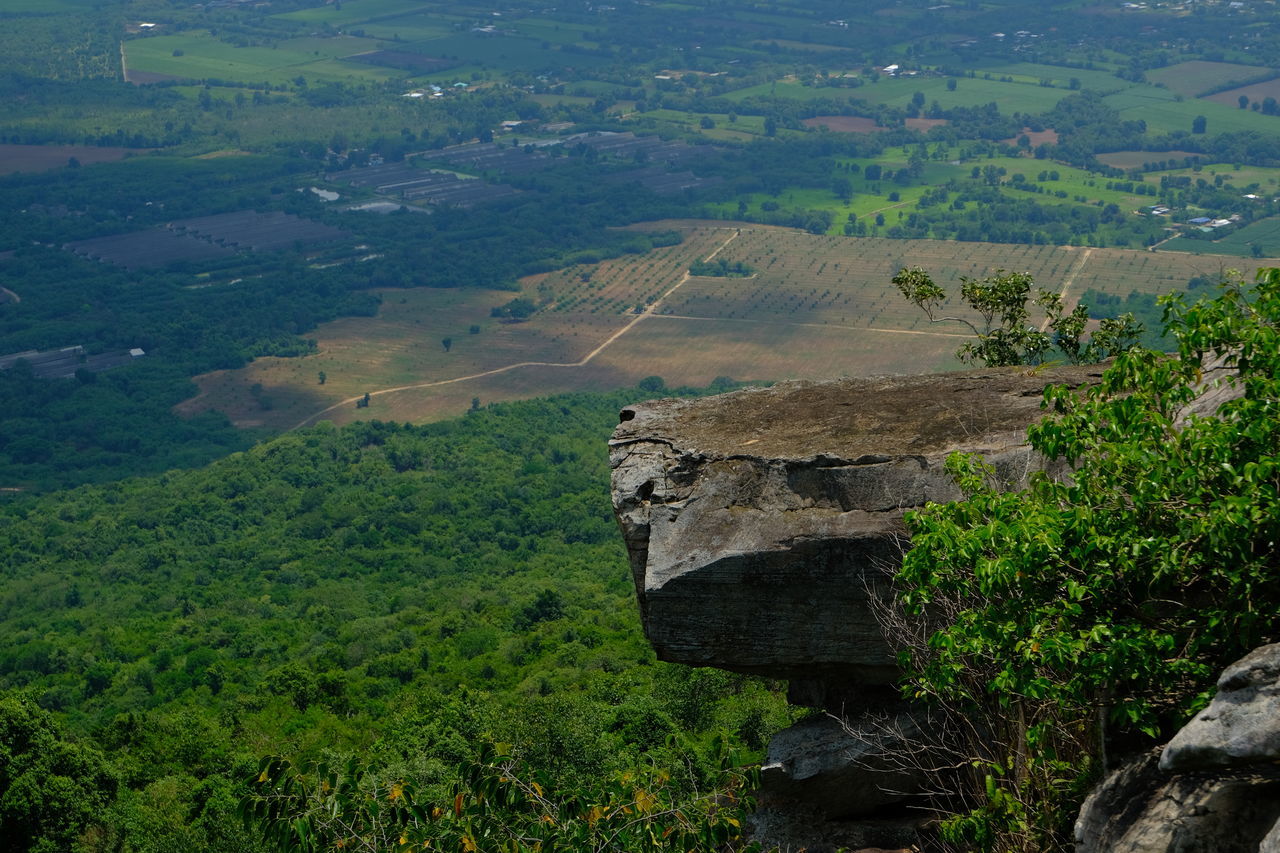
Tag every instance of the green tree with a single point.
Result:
(1199, 124)
(1000, 320)
(1103, 604)
(51, 789)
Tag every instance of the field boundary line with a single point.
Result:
(840, 326)
(582, 362)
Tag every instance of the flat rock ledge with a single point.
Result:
(762, 524)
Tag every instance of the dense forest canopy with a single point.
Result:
(408, 593)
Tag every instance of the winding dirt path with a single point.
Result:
(648, 312)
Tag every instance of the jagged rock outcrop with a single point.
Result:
(762, 527)
(760, 524)
(1214, 789)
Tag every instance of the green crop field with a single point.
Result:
(1060, 76)
(1164, 112)
(970, 92)
(1196, 77)
(873, 197)
(353, 11)
(404, 30)
(507, 53)
(200, 55)
(1239, 176)
(740, 127)
(792, 90)
(558, 32)
(43, 7)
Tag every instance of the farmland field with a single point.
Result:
(1254, 92)
(41, 7)
(845, 124)
(816, 306)
(1239, 176)
(969, 92)
(354, 11)
(872, 197)
(1197, 76)
(199, 55)
(898, 91)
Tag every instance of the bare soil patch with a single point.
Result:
(143, 78)
(1134, 159)
(845, 124)
(1254, 92)
(924, 123)
(41, 158)
(1037, 137)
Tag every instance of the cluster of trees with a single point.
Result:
(721, 268)
(1075, 618)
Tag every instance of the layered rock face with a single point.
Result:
(762, 527)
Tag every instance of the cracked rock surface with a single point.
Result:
(762, 524)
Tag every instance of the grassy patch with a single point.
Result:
(199, 55)
(1197, 76)
(1164, 112)
(1060, 76)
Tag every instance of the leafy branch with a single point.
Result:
(1005, 336)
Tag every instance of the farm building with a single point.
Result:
(63, 363)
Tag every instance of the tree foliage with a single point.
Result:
(1004, 334)
(1083, 610)
(499, 803)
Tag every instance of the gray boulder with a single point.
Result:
(1241, 726)
(1214, 789)
(843, 769)
(1141, 809)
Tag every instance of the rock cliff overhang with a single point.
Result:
(762, 524)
